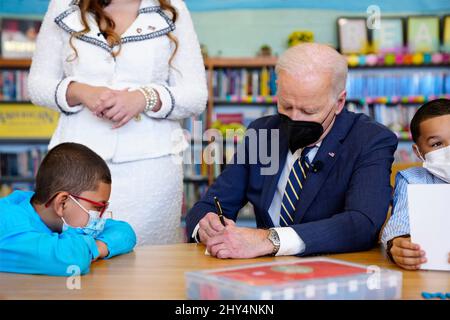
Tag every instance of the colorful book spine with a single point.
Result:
(21, 164)
(244, 85)
(398, 85)
(13, 85)
(264, 83)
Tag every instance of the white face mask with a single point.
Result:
(94, 226)
(438, 163)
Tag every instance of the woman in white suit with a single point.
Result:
(123, 73)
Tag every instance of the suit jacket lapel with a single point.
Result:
(271, 181)
(328, 153)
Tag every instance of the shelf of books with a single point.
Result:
(388, 88)
(240, 91)
(392, 95)
(231, 105)
(244, 89)
(25, 129)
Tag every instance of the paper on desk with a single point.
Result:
(429, 219)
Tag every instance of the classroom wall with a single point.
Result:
(240, 27)
(242, 32)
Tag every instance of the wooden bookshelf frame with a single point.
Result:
(15, 63)
(250, 62)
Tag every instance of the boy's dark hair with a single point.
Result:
(431, 109)
(69, 167)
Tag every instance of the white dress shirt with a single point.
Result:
(290, 242)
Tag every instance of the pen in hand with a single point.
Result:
(219, 211)
(220, 214)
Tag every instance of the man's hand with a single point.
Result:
(406, 254)
(239, 243)
(211, 226)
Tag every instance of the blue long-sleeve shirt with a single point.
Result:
(27, 245)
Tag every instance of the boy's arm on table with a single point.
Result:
(118, 236)
(31, 252)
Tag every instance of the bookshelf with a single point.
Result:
(380, 107)
(394, 110)
(212, 65)
(246, 102)
(20, 152)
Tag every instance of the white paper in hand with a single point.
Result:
(429, 219)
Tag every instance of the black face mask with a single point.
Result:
(301, 133)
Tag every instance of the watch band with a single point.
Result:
(275, 239)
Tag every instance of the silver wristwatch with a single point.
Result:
(275, 239)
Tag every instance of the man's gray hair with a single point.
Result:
(310, 59)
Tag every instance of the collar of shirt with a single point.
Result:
(311, 154)
(292, 157)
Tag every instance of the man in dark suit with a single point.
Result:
(331, 191)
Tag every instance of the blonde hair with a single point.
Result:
(311, 59)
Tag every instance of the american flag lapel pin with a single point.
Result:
(331, 154)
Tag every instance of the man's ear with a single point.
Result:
(60, 203)
(341, 102)
(416, 152)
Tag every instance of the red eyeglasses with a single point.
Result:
(101, 205)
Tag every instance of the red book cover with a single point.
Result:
(284, 273)
(228, 118)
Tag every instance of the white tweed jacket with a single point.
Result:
(143, 60)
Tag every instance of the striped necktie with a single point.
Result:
(294, 186)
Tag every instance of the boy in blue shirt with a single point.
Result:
(430, 130)
(62, 224)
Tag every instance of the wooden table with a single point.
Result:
(157, 272)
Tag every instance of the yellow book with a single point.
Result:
(264, 82)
